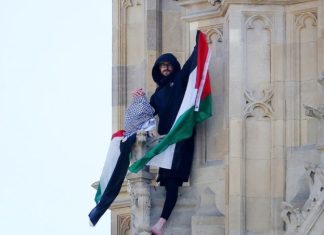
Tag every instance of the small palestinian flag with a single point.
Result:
(113, 174)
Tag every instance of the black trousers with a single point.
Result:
(171, 187)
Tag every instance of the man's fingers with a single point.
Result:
(138, 92)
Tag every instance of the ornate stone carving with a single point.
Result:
(214, 2)
(208, 9)
(266, 20)
(140, 202)
(264, 103)
(123, 224)
(301, 18)
(315, 112)
(212, 30)
(130, 3)
(300, 221)
(139, 189)
(257, 38)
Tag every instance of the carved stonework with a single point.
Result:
(211, 31)
(265, 19)
(300, 19)
(264, 103)
(140, 197)
(315, 112)
(258, 66)
(130, 3)
(207, 9)
(303, 64)
(139, 188)
(214, 2)
(123, 224)
(300, 221)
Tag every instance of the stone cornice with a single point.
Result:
(208, 9)
(201, 9)
(263, 2)
(190, 3)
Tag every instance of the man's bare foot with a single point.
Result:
(157, 229)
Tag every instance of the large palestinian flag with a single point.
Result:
(195, 108)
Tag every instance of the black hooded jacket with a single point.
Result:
(166, 102)
(169, 94)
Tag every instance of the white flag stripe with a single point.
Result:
(163, 159)
(110, 163)
(190, 95)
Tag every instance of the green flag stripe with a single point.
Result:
(98, 194)
(182, 129)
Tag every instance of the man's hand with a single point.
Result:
(138, 92)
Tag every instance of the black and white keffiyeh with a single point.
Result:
(138, 115)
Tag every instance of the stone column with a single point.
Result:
(139, 186)
(139, 189)
(255, 37)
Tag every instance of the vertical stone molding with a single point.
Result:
(153, 32)
(257, 163)
(303, 53)
(258, 122)
(216, 136)
(119, 87)
(257, 52)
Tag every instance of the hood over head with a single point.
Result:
(156, 74)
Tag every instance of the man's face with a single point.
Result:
(166, 68)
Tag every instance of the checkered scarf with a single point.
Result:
(138, 112)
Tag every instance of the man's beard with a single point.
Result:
(166, 79)
(168, 72)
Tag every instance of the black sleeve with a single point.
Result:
(190, 64)
(187, 68)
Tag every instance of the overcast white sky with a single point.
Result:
(55, 75)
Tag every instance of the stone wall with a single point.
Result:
(265, 69)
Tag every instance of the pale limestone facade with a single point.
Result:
(259, 158)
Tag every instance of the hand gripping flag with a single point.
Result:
(195, 108)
